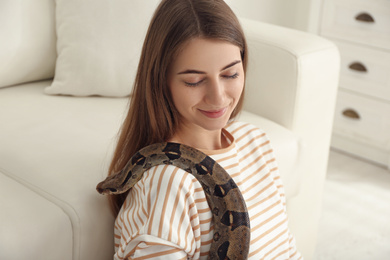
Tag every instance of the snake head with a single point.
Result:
(116, 183)
(106, 187)
(106, 191)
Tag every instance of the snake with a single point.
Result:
(231, 238)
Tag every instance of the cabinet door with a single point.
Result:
(365, 70)
(363, 119)
(361, 21)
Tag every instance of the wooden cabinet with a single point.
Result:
(361, 30)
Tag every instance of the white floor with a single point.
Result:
(355, 222)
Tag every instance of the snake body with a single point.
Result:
(230, 216)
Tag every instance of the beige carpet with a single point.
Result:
(355, 222)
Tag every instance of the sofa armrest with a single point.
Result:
(292, 80)
(285, 66)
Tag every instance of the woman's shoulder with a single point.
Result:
(241, 130)
(247, 136)
(164, 183)
(168, 178)
(167, 173)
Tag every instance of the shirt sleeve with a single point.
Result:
(165, 216)
(293, 253)
(152, 247)
(272, 164)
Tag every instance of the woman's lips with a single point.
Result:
(214, 113)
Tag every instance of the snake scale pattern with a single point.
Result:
(230, 216)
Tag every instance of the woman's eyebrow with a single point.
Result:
(202, 72)
(231, 65)
(192, 72)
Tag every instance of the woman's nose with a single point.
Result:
(215, 95)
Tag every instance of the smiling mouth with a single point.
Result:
(214, 113)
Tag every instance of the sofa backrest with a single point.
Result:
(89, 47)
(28, 41)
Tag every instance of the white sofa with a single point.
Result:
(57, 132)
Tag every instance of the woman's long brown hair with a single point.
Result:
(152, 116)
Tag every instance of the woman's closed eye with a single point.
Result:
(197, 83)
(232, 76)
(193, 84)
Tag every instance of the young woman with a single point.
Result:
(188, 89)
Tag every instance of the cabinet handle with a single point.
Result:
(358, 66)
(350, 113)
(364, 17)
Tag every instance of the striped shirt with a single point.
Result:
(166, 215)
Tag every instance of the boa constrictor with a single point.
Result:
(230, 216)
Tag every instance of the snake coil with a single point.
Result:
(230, 216)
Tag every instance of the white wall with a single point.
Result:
(297, 14)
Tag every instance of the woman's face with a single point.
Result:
(206, 81)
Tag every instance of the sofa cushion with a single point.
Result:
(28, 40)
(61, 146)
(98, 45)
(30, 222)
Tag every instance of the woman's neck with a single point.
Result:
(204, 139)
